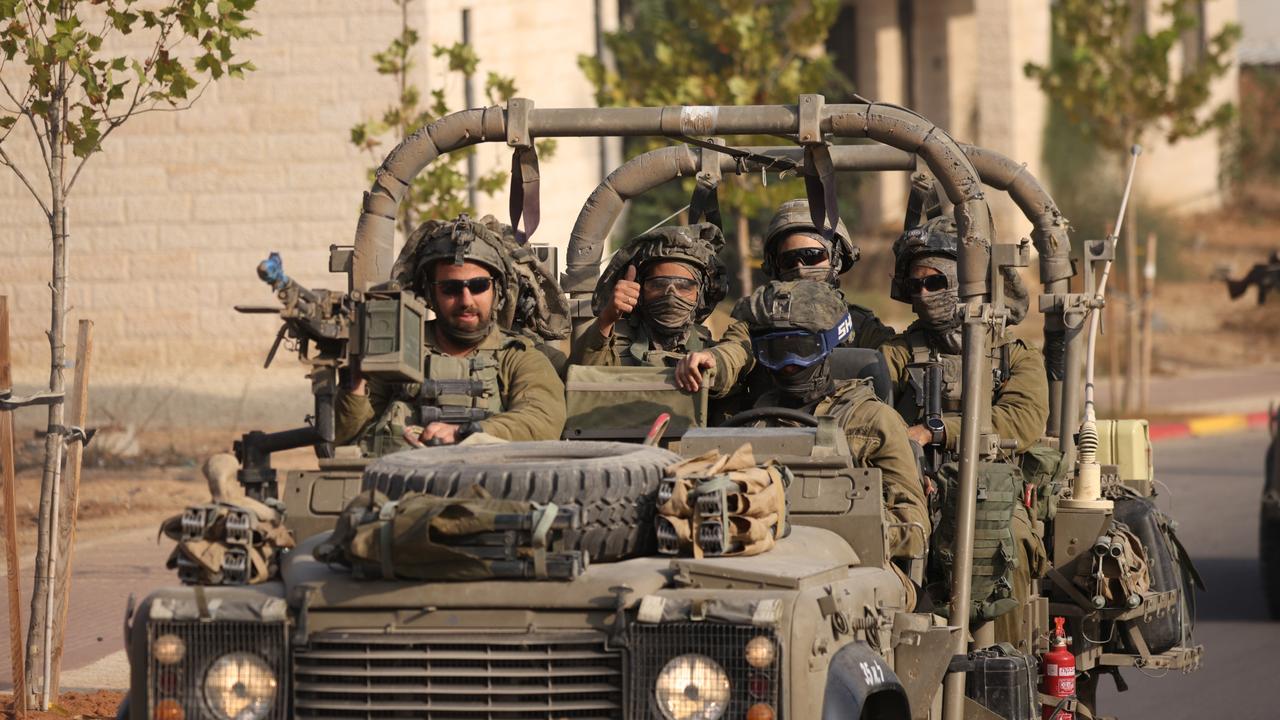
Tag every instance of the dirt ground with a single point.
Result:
(70, 705)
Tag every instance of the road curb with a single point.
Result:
(1208, 425)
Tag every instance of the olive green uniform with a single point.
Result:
(1019, 411)
(1020, 403)
(878, 438)
(526, 397)
(630, 345)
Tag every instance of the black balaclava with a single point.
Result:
(806, 387)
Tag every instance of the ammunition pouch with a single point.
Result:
(225, 544)
(717, 504)
(426, 537)
(1044, 475)
(994, 546)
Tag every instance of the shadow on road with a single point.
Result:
(1234, 590)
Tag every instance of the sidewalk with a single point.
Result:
(105, 573)
(1208, 402)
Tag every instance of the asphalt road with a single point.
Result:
(1214, 488)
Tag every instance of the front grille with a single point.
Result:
(204, 642)
(354, 675)
(651, 647)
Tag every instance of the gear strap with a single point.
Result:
(525, 194)
(820, 188)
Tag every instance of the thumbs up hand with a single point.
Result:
(626, 294)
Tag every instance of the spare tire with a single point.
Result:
(615, 484)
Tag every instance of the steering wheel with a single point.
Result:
(771, 413)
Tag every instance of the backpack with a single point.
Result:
(994, 550)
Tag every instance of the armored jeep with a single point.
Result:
(820, 626)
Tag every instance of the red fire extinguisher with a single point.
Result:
(1058, 668)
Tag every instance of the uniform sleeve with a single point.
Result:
(352, 413)
(872, 333)
(534, 399)
(903, 489)
(733, 359)
(595, 349)
(1021, 407)
(897, 356)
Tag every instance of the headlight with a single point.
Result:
(240, 686)
(692, 687)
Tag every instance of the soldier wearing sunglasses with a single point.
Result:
(794, 326)
(795, 249)
(480, 377)
(925, 276)
(651, 300)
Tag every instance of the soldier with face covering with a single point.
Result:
(514, 393)
(796, 249)
(926, 276)
(793, 327)
(651, 300)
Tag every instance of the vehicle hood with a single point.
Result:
(806, 552)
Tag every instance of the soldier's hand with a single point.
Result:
(920, 434)
(626, 295)
(689, 370)
(441, 433)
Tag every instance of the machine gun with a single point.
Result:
(378, 332)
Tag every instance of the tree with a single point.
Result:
(1118, 81)
(727, 52)
(440, 191)
(68, 86)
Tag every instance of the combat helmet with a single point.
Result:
(938, 237)
(697, 246)
(793, 216)
(457, 241)
(794, 322)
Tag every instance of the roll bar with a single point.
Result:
(810, 121)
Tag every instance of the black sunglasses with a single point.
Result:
(808, 256)
(453, 288)
(932, 283)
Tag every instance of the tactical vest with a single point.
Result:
(456, 390)
(639, 345)
(910, 402)
(994, 551)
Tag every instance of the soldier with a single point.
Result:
(1265, 275)
(794, 249)
(514, 393)
(925, 275)
(651, 300)
(794, 326)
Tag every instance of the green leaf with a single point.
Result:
(7, 121)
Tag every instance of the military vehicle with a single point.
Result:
(1269, 522)
(819, 626)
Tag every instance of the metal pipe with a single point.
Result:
(977, 377)
(887, 124)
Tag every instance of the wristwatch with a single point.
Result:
(938, 428)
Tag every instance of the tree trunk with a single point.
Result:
(38, 628)
(744, 254)
(1148, 309)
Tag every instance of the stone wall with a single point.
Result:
(168, 224)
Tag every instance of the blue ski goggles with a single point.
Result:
(801, 348)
